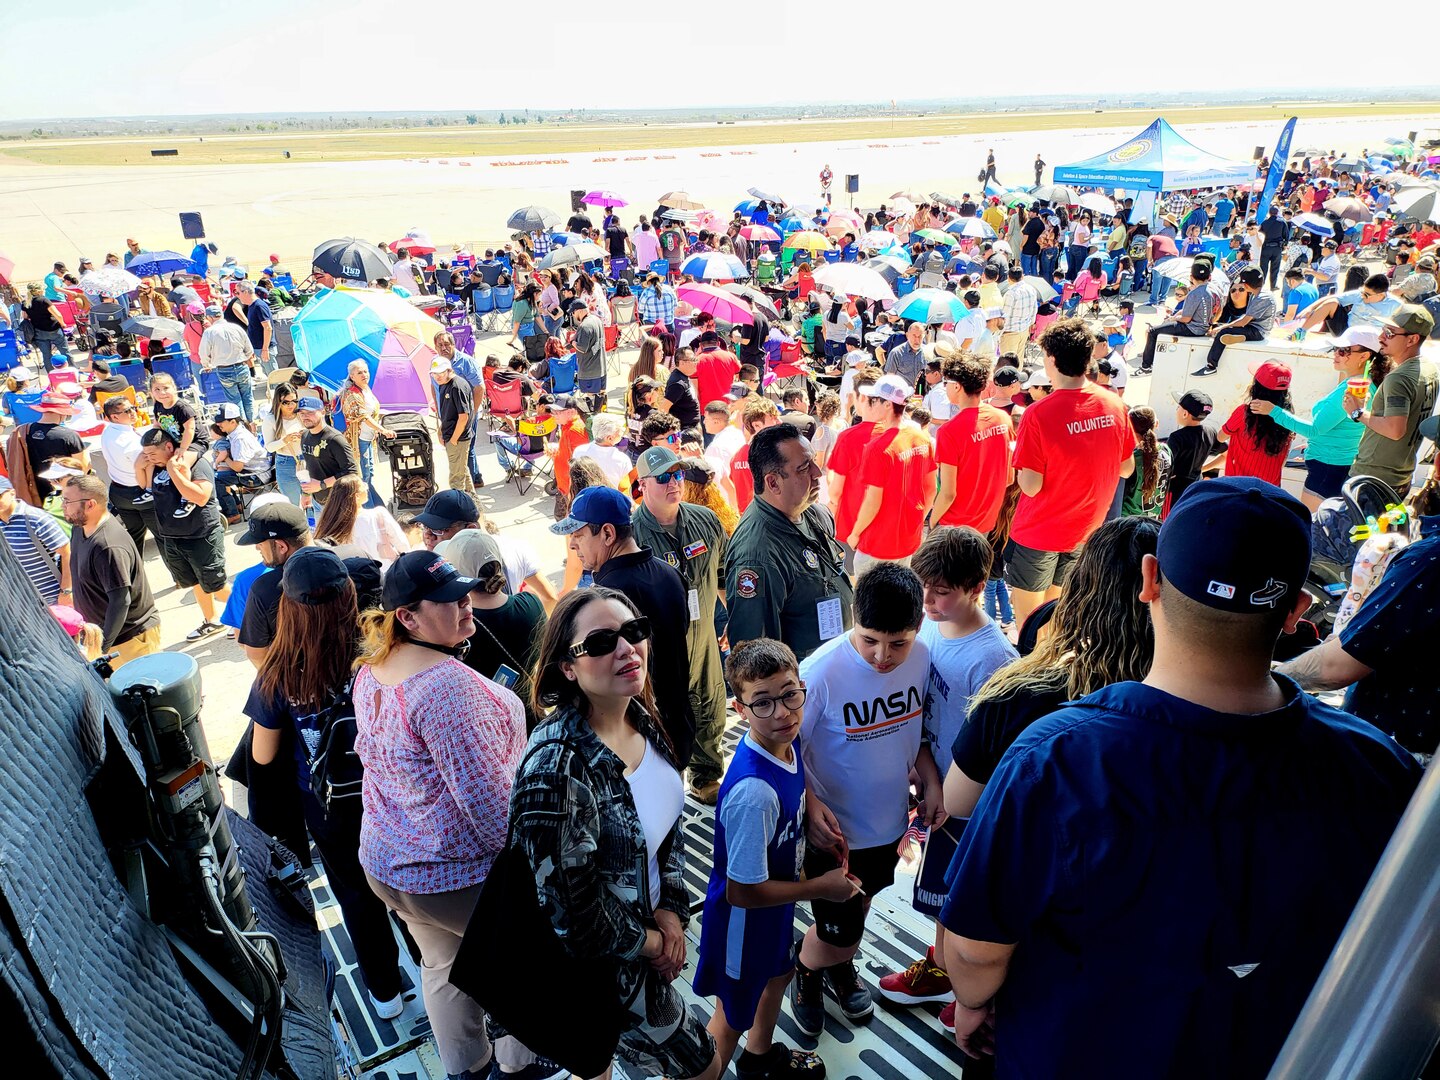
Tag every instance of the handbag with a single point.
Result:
(509, 933)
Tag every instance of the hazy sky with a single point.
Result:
(123, 57)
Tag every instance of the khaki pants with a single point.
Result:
(142, 644)
(457, 455)
(437, 922)
(1013, 341)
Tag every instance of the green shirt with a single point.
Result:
(1407, 391)
(779, 572)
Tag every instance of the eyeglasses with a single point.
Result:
(289, 401)
(1349, 350)
(762, 708)
(603, 642)
(124, 409)
(670, 477)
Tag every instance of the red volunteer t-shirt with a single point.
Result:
(901, 462)
(715, 373)
(844, 460)
(741, 478)
(1077, 439)
(977, 442)
(1246, 457)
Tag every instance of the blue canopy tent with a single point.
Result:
(1158, 159)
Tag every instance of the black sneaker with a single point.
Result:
(780, 1063)
(539, 1069)
(807, 1000)
(845, 986)
(1201, 373)
(1140, 369)
(185, 509)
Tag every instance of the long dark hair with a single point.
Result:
(337, 520)
(549, 688)
(1379, 366)
(1263, 430)
(314, 648)
(1142, 419)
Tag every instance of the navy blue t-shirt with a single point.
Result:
(268, 712)
(1394, 632)
(1174, 878)
(256, 316)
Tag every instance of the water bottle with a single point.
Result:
(302, 477)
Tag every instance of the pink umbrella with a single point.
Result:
(709, 219)
(725, 306)
(401, 377)
(762, 233)
(603, 198)
(7, 269)
(414, 246)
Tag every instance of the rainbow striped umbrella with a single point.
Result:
(395, 338)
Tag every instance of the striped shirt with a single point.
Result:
(440, 752)
(34, 559)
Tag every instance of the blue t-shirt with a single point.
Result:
(958, 668)
(234, 611)
(1374, 313)
(256, 316)
(200, 260)
(1301, 297)
(759, 836)
(1394, 632)
(1224, 211)
(1174, 878)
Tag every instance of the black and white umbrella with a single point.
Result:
(533, 219)
(355, 262)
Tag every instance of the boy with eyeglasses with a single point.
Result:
(748, 929)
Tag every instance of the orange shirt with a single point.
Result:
(571, 435)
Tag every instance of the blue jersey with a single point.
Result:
(742, 949)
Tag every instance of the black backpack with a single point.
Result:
(336, 773)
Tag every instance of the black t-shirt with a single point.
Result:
(1190, 448)
(39, 312)
(990, 729)
(172, 419)
(656, 588)
(453, 399)
(616, 236)
(967, 209)
(1032, 232)
(45, 443)
(111, 384)
(506, 644)
(1273, 230)
(753, 335)
(257, 625)
(578, 223)
(327, 454)
(168, 500)
(107, 563)
(684, 405)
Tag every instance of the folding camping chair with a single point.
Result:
(503, 299)
(626, 320)
(506, 400)
(562, 375)
(530, 462)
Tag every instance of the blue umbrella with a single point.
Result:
(792, 224)
(974, 227)
(747, 206)
(713, 265)
(158, 263)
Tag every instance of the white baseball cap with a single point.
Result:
(1037, 378)
(1367, 337)
(891, 388)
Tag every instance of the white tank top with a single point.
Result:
(659, 796)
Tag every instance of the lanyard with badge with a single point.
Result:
(680, 557)
(829, 613)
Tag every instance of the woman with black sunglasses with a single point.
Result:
(280, 434)
(597, 811)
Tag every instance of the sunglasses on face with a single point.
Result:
(603, 642)
(670, 477)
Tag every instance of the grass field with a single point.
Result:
(492, 141)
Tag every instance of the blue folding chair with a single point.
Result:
(661, 267)
(563, 374)
(285, 281)
(133, 372)
(9, 350)
(484, 303)
(176, 366)
(503, 297)
(211, 391)
(904, 286)
(831, 255)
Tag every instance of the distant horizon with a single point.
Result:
(1113, 98)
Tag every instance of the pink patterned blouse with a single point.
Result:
(440, 752)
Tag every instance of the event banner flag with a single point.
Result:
(1277, 169)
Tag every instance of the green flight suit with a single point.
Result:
(783, 579)
(696, 549)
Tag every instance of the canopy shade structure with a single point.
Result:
(1157, 159)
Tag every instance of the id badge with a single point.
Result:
(506, 676)
(832, 620)
(692, 601)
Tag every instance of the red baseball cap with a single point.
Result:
(1272, 374)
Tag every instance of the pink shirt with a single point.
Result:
(440, 752)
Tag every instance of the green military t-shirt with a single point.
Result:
(1407, 391)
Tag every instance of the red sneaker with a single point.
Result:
(947, 1018)
(921, 981)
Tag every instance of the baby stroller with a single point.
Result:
(412, 460)
(1332, 552)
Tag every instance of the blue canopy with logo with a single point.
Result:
(1158, 159)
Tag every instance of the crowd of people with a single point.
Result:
(949, 585)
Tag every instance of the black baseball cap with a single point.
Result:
(423, 575)
(275, 521)
(366, 574)
(1211, 546)
(448, 507)
(313, 575)
(1194, 402)
(1006, 376)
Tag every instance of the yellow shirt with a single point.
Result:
(994, 217)
(990, 295)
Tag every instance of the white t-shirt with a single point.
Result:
(659, 797)
(613, 462)
(860, 737)
(722, 448)
(958, 668)
(969, 328)
(403, 274)
(379, 534)
(939, 406)
(1118, 380)
(519, 562)
(120, 446)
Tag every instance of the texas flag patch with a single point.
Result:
(695, 550)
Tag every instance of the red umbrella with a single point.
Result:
(7, 269)
(415, 247)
